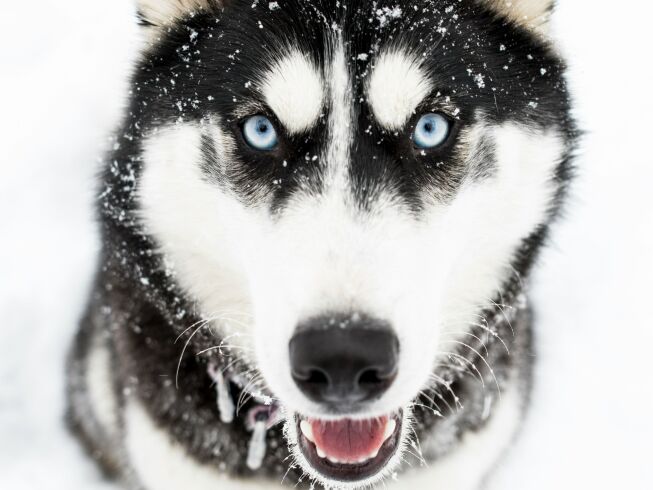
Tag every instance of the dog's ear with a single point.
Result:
(159, 13)
(532, 14)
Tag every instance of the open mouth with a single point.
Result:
(349, 450)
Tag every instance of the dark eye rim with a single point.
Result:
(446, 145)
(240, 133)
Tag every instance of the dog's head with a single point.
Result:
(342, 187)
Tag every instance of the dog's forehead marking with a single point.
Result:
(340, 118)
(293, 88)
(397, 85)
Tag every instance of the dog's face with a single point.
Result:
(343, 189)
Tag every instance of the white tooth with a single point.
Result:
(389, 429)
(373, 455)
(320, 453)
(333, 460)
(307, 430)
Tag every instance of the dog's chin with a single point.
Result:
(344, 452)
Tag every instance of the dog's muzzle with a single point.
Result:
(343, 363)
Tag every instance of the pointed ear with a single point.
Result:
(532, 14)
(159, 13)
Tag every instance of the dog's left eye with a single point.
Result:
(431, 131)
(259, 133)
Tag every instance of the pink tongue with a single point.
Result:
(349, 440)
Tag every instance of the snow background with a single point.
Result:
(64, 67)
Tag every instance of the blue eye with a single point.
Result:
(259, 133)
(431, 131)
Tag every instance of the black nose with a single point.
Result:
(343, 360)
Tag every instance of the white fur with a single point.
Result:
(396, 87)
(336, 158)
(100, 388)
(173, 185)
(293, 89)
(529, 13)
(162, 464)
(162, 12)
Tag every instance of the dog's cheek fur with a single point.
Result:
(198, 224)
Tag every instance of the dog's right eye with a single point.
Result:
(431, 131)
(259, 133)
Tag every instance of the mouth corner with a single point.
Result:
(349, 450)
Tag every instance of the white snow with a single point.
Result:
(64, 68)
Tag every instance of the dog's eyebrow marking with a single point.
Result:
(293, 88)
(397, 85)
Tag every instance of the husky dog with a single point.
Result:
(318, 220)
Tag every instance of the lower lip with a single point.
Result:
(351, 472)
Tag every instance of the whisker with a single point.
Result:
(183, 351)
(418, 447)
(186, 330)
(496, 381)
(476, 374)
(469, 334)
(449, 389)
(441, 398)
(431, 400)
(220, 347)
